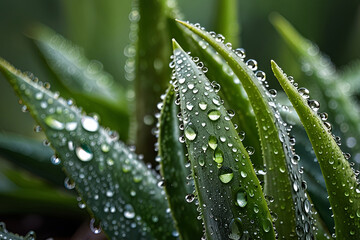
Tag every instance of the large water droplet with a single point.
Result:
(225, 174)
(129, 212)
(54, 123)
(218, 156)
(89, 124)
(314, 105)
(267, 224)
(95, 226)
(202, 105)
(304, 92)
(212, 142)
(190, 133)
(84, 153)
(241, 198)
(236, 229)
(189, 198)
(214, 115)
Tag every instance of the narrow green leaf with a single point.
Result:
(4, 234)
(112, 182)
(153, 50)
(32, 156)
(341, 184)
(86, 81)
(227, 21)
(221, 167)
(326, 83)
(282, 170)
(172, 153)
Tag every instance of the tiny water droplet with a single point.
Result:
(55, 160)
(69, 183)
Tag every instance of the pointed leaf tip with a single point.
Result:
(175, 44)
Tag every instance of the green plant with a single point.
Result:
(214, 182)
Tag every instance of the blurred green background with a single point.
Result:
(102, 29)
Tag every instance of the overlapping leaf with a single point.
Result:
(178, 187)
(221, 168)
(279, 158)
(114, 185)
(343, 189)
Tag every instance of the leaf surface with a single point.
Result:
(112, 182)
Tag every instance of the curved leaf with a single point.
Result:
(326, 84)
(221, 167)
(90, 86)
(120, 184)
(32, 156)
(282, 170)
(341, 183)
(179, 190)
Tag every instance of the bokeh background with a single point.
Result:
(102, 29)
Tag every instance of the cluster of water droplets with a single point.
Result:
(5, 235)
(107, 174)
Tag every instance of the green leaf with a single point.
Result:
(172, 153)
(153, 49)
(325, 82)
(113, 183)
(341, 184)
(221, 167)
(350, 76)
(32, 156)
(282, 170)
(86, 81)
(4, 234)
(227, 21)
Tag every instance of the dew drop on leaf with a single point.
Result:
(218, 156)
(241, 198)
(89, 124)
(236, 229)
(129, 212)
(54, 123)
(190, 133)
(95, 226)
(267, 224)
(225, 174)
(84, 153)
(189, 198)
(212, 142)
(214, 115)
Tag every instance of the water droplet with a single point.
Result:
(71, 126)
(240, 52)
(218, 156)
(225, 174)
(202, 105)
(252, 64)
(37, 129)
(212, 142)
(201, 162)
(241, 135)
(84, 153)
(214, 115)
(109, 193)
(55, 160)
(267, 224)
(241, 198)
(189, 198)
(250, 150)
(260, 75)
(243, 174)
(89, 124)
(314, 105)
(236, 229)
(105, 148)
(190, 133)
(69, 183)
(95, 226)
(304, 92)
(323, 116)
(54, 123)
(129, 212)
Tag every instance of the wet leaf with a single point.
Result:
(221, 167)
(282, 170)
(85, 81)
(179, 190)
(343, 189)
(112, 182)
(4, 234)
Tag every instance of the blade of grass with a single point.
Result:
(221, 167)
(85, 80)
(282, 170)
(341, 183)
(178, 189)
(120, 183)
